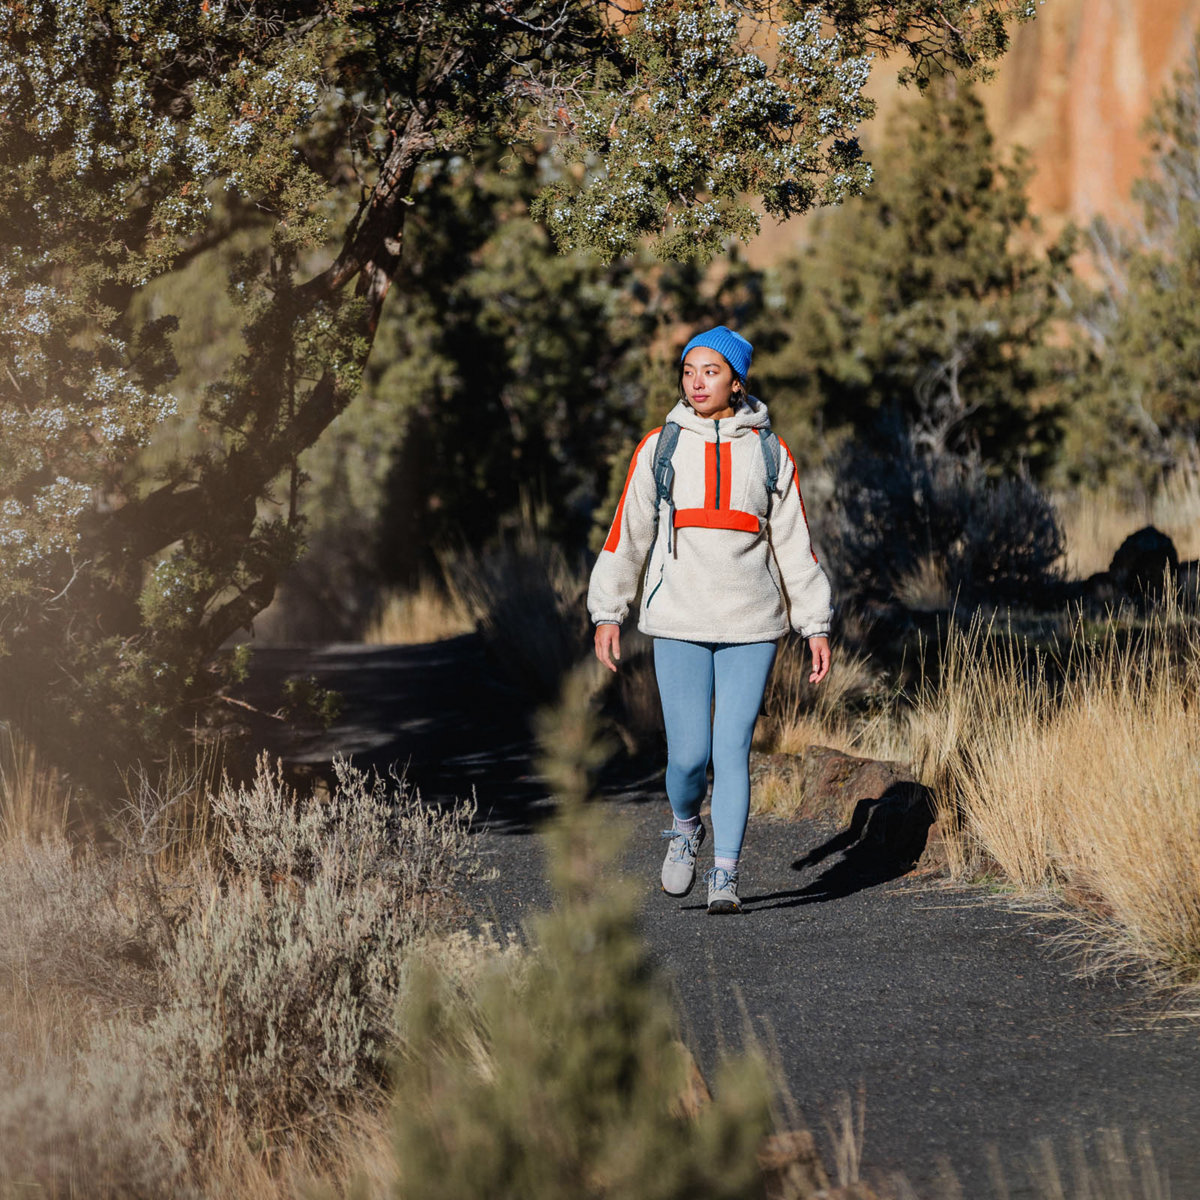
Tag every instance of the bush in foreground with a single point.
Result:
(565, 1081)
(255, 1016)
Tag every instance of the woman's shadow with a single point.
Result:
(885, 838)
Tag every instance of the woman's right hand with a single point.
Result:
(608, 645)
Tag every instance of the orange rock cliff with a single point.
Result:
(1075, 90)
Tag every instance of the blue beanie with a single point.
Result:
(731, 346)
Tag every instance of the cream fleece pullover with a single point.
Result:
(736, 571)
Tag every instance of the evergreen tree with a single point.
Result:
(921, 309)
(1136, 405)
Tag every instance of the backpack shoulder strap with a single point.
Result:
(771, 455)
(664, 475)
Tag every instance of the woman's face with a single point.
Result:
(709, 383)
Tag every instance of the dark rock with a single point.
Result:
(1142, 560)
(890, 818)
(833, 783)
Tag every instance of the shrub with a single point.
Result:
(282, 986)
(892, 516)
(72, 917)
(528, 602)
(370, 831)
(105, 1136)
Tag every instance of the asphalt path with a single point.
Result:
(948, 1014)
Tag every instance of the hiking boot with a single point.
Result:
(722, 891)
(679, 867)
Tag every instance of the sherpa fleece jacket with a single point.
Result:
(737, 570)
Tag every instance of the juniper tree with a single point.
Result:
(922, 310)
(136, 135)
(1135, 408)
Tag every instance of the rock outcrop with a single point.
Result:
(1143, 561)
(889, 818)
(1074, 90)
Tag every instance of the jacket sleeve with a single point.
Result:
(805, 583)
(615, 576)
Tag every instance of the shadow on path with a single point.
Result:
(884, 840)
(441, 713)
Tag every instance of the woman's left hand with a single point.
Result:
(820, 656)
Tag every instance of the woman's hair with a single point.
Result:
(740, 395)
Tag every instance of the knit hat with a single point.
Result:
(731, 346)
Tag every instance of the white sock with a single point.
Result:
(689, 826)
(725, 864)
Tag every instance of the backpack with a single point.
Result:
(664, 472)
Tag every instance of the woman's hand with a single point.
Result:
(608, 645)
(820, 656)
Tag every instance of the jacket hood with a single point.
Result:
(748, 417)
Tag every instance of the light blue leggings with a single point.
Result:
(688, 675)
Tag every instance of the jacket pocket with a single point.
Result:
(648, 590)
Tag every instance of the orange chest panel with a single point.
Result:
(716, 511)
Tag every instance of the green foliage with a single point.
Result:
(699, 121)
(919, 304)
(565, 1081)
(1136, 402)
(516, 371)
(307, 701)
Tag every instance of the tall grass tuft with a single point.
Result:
(1077, 775)
(526, 598)
(34, 801)
(564, 1082)
(800, 714)
(422, 614)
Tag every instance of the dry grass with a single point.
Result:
(34, 801)
(426, 613)
(800, 714)
(207, 1007)
(527, 599)
(1096, 523)
(925, 587)
(1079, 779)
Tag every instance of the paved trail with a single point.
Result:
(947, 1009)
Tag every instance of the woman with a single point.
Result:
(729, 568)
